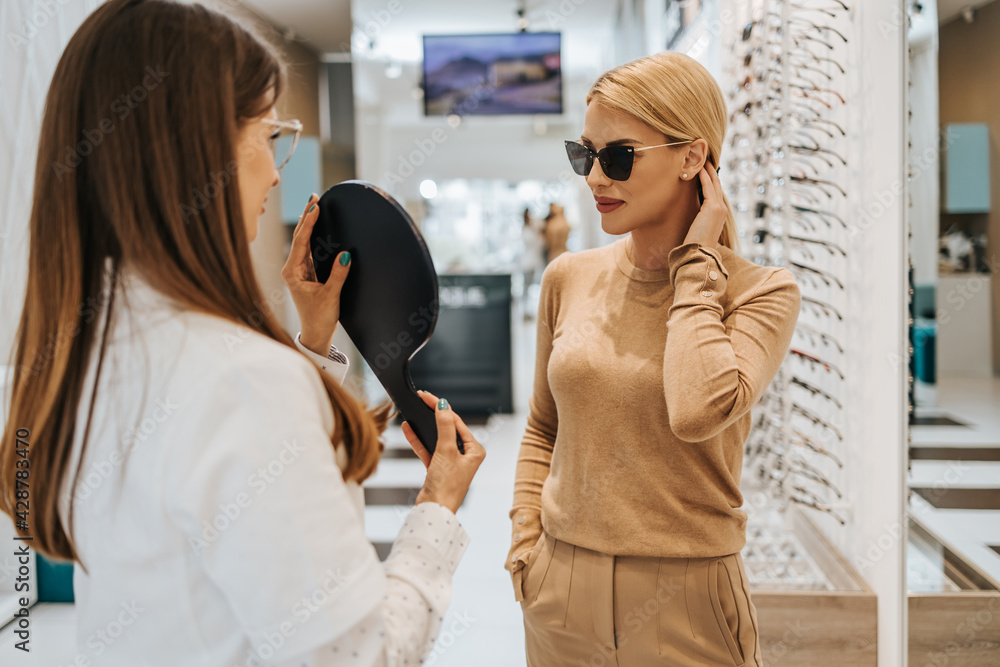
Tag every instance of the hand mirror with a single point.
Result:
(389, 302)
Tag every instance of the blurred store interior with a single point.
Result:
(891, 391)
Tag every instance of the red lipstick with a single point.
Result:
(607, 204)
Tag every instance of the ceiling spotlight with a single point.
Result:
(522, 20)
(428, 189)
(969, 14)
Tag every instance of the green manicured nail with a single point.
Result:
(443, 404)
(345, 258)
(311, 208)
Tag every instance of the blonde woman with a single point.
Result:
(627, 524)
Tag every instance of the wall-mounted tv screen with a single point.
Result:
(517, 73)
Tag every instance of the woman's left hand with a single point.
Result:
(318, 304)
(708, 224)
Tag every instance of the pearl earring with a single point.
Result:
(684, 176)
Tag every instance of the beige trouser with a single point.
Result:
(587, 609)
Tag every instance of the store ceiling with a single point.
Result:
(327, 25)
(949, 10)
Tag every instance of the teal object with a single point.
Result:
(967, 168)
(55, 579)
(300, 178)
(923, 301)
(924, 360)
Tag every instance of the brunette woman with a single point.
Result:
(199, 465)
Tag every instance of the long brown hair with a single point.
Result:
(673, 94)
(136, 166)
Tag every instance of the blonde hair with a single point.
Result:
(673, 94)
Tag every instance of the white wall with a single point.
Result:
(925, 186)
(876, 334)
(33, 37)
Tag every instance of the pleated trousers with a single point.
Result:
(583, 608)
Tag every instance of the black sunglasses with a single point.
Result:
(616, 161)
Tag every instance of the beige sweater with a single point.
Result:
(644, 382)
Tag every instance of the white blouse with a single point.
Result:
(212, 516)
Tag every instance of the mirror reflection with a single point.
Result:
(953, 555)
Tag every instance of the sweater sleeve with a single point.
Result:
(714, 371)
(539, 438)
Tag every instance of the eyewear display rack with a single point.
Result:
(794, 173)
(786, 168)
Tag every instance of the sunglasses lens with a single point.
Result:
(616, 161)
(579, 158)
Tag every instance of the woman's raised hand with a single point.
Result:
(318, 304)
(707, 226)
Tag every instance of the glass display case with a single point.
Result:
(811, 603)
(953, 605)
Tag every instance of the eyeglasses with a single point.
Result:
(616, 161)
(816, 361)
(821, 214)
(815, 305)
(813, 334)
(281, 144)
(813, 274)
(815, 391)
(804, 440)
(829, 509)
(817, 420)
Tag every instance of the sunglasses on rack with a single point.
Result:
(616, 161)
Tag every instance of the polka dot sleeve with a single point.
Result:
(403, 629)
